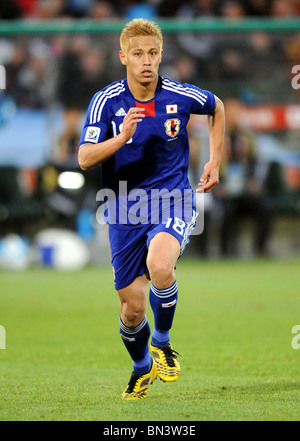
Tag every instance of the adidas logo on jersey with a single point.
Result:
(121, 112)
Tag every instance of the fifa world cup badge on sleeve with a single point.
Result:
(92, 134)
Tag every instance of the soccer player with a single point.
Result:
(136, 129)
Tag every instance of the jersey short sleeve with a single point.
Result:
(202, 102)
(95, 126)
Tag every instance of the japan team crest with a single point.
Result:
(172, 126)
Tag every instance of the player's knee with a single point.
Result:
(132, 313)
(161, 273)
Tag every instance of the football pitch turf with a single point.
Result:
(64, 359)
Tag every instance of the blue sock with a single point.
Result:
(163, 303)
(136, 342)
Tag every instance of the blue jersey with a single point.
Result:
(155, 161)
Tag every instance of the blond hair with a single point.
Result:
(140, 27)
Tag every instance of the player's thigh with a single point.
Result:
(128, 251)
(133, 301)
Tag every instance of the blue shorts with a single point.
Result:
(129, 246)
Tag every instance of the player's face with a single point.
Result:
(142, 59)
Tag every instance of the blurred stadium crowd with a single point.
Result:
(51, 79)
(46, 9)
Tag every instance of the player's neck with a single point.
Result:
(142, 92)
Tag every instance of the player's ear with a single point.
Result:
(122, 57)
(161, 53)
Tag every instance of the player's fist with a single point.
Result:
(133, 117)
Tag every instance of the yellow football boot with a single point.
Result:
(137, 387)
(168, 367)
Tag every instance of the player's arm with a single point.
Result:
(216, 129)
(90, 155)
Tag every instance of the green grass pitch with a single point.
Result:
(64, 359)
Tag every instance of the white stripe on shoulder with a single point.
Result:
(180, 88)
(111, 92)
(186, 88)
(186, 91)
(99, 98)
(111, 95)
(183, 93)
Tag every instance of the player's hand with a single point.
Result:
(209, 178)
(133, 117)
